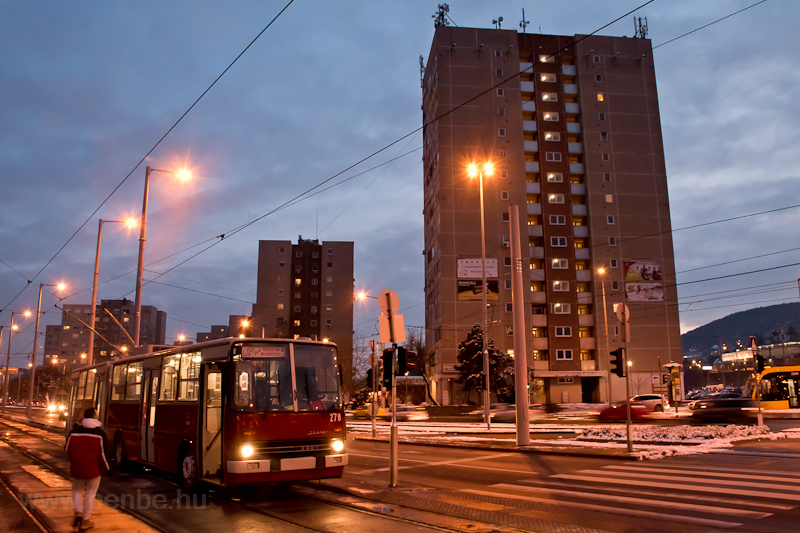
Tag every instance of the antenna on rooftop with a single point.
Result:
(640, 29)
(524, 23)
(497, 23)
(440, 18)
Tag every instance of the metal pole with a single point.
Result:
(5, 374)
(395, 449)
(374, 385)
(137, 319)
(484, 289)
(32, 384)
(625, 335)
(520, 348)
(608, 346)
(93, 312)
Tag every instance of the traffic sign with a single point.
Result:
(623, 313)
(390, 305)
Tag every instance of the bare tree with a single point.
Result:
(639, 382)
(415, 341)
(361, 351)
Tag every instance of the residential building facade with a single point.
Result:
(571, 126)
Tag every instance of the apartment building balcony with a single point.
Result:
(583, 275)
(566, 70)
(536, 252)
(538, 297)
(575, 148)
(529, 106)
(571, 108)
(534, 209)
(588, 366)
(577, 188)
(570, 88)
(538, 321)
(539, 343)
(573, 127)
(587, 343)
(535, 230)
(584, 297)
(580, 231)
(531, 166)
(586, 321)
(582, 253)
(576, 168)
(579, 210)
(533, 187)
(541, 366)
(527, 67)
(531, 146)
(537, 274)
(528, 125)
(526, 86)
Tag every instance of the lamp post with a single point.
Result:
(601, 271)
(89, 360)
(6, 378)
(137, 319)
(473, 171)
(32, 385)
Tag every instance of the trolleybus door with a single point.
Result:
(148, 424)
(793, 386)
(212, 422)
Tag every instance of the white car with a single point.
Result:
(654, 402)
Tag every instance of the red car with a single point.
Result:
(618, 411)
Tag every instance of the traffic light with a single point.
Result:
(759, 363)
(401, 360)
(386, 362)
(618, 363)
(370, 383)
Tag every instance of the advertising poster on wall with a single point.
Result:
(472, 268)
(470, 290)
(643, 281)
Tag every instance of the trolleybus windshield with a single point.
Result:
(263, 378)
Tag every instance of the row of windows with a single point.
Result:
(299, 309)
(312, 323)
(298, 295)
(314, 255)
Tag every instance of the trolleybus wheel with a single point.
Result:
(187, 469)
(120, 456)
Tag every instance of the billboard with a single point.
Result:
(643, 281)
(471, 290)
(471, 268)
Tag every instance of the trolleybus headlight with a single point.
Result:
(246, 451)
(337, 445)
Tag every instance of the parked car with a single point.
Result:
(727, 408)
(654, 402)
(619, 411)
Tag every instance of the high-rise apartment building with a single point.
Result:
(572, 128)
(69, 341)
(306, 290)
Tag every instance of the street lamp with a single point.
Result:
(137, 319)
(6, 378)
(61, 287)
(89, 359)
(602, 271)
(475, 170)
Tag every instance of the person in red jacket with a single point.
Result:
(86, 445)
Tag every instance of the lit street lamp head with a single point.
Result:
(473, 169)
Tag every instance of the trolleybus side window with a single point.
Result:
(190, 372)
(118, 383)
(133, 389)
(90, 375)
(81, 385)
(169, 377)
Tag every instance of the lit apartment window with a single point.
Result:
(607, 177)
(612, 241)
(328, 307)
(280, 307)
(601, 117)
(510, 330)
(555, 198)
(502, 152)
(504, 195)
(603, 136)
(609, 198)
(596, 59)
(561, 309)
(546, 59)
(501, 111)
(563, 331)
(560, 286)
(598, 77)
(564, 355)
(500, 92)
(549, 97)
(610, 219)
(600, 97)
(555, 177)
(558, 220)
(552, 136)
(298, 282)
(551, 116)
(297, 323)
(501, 132)
(558, 242)
(499, 72)
(560, 263)
(614, 263)
(553, 157)
(547, 77)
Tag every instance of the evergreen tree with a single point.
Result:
(470, 359)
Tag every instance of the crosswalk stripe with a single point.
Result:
(678, 496)
(695, 468)
(757, 454)
(646, 475)
(612, 510)
(683, 486)
(657, 469)
(744, 513)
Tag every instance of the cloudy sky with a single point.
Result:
(87, 89)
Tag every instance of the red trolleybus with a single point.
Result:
(228, 412)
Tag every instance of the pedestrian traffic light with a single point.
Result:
(370, 375)
(386, 360)
(618, 363)
(759, 363)
(401, 360)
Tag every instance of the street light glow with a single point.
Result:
(61, 286)
(601, 270)
(245, 323)
(361, 295)
(184, 174)
(181, 338)
(131, 222)
(27, 313)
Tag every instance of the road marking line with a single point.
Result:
(646, 475)
(714, 474)
(693, 469)
(662, 494)
(696, 488)
(454, 463)
(610, 510)
(639, 501)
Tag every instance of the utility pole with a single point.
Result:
(392, 329)
(520, 349)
